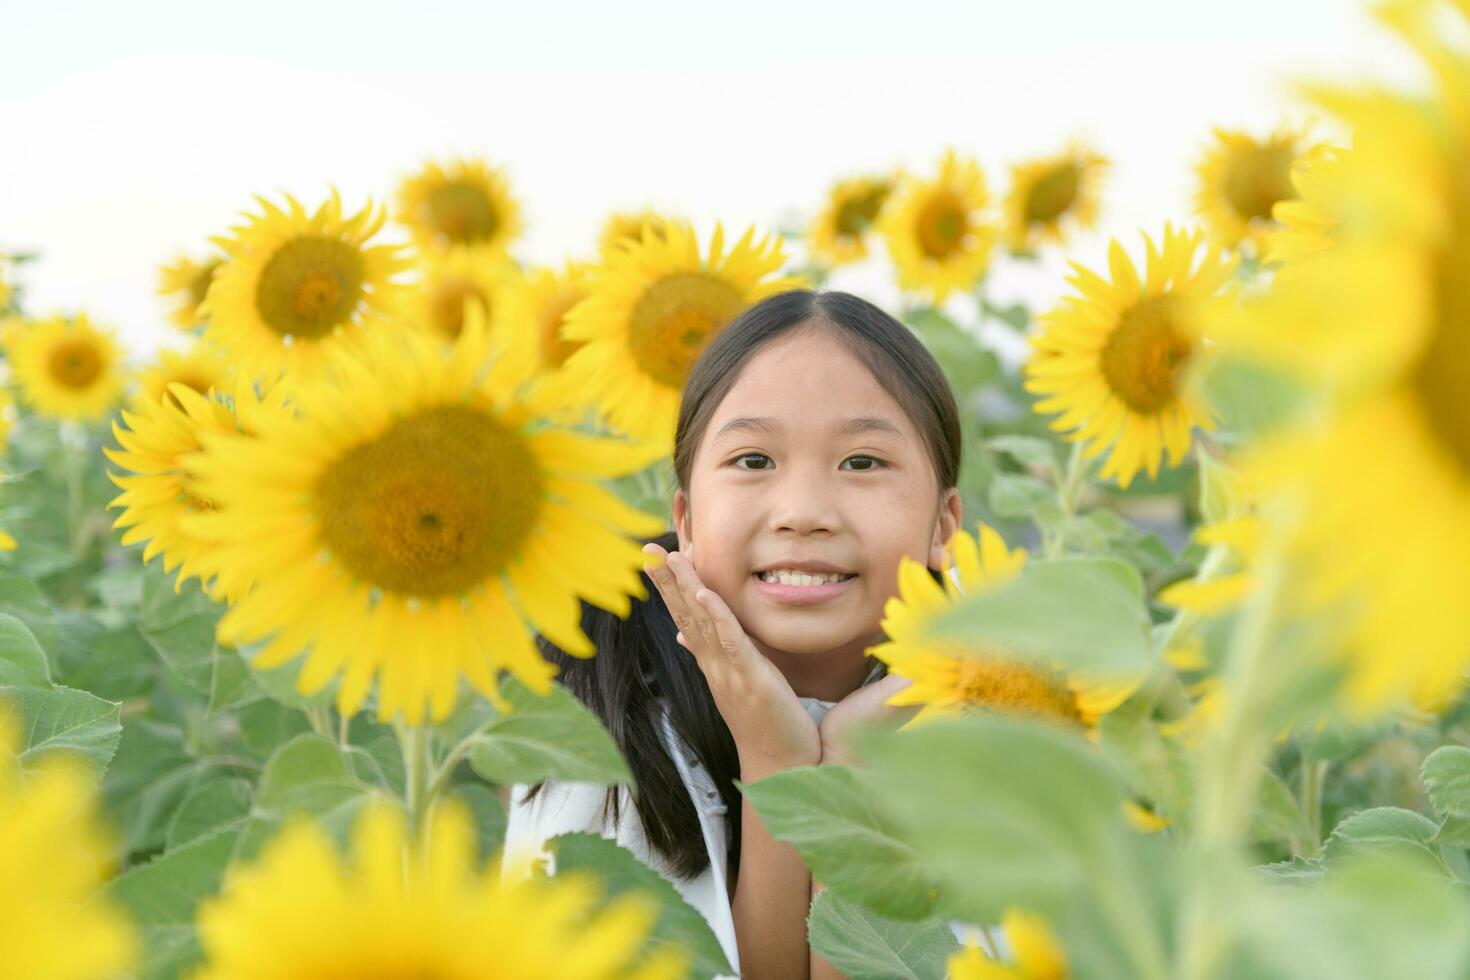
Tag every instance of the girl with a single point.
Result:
(817, 444)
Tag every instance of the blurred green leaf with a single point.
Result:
(305, 776)
(211, 806)
(1384, 830)
(546, 737)
(1026, 450)
(866, 946)
(61, 720)
(1446, 776)
(1016, 496)
(487, 812)
(22, 661)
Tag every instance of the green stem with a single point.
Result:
(414, 740)
(73, 449)
(343, 726)
(1313, 775)
(316, 714)
(1069, 488)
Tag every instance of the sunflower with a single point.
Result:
(188, 282)
(412, 519)
(452, 277)
(296, 289)
(550, 295)
(161, 439)
(651, 310)
(1112, 358)
(938, 234)
(4, 288)
(1378, 322)
(67, 369)
(623, 228)
(839, 233)
(53, 859)
(950, 677)
(464, 202)
(1035, 953)
(1241, 180)
(200, 368)
(1047, 194)
(391, 908)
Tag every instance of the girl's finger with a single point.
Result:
(668, 587)
(728, 631)
(689, 585)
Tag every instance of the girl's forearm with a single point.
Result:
(772, 897)
(820, 968)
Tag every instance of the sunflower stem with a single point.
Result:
(1313, 776)
(316, 714)
(1069, 489)
(73, 447)
(414, 740)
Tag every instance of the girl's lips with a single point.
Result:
(802, 595)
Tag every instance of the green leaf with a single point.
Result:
(1446, 777)
(211, 806)
(966, 363)
(266, 725)
(279, 683)
(152, 774)
(1016, 496)
(1157, 768)
(116, 664)
(866, 946)
(1384, 829)
(1026, 450)
(1249, 398)
(22, 661)
(52, 720)
(162, 898)
(553, 736)
(231, 682)
(488, 814)
(306, 775)
(1081, 613)
(679, 924)
(23, 599)
(1453, 832)
(1277, 816)
(1299, 870)
(831, 815)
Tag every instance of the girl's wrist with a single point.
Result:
(759, 767)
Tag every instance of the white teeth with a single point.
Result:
(787, 576)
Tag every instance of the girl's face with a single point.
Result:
(810, 465)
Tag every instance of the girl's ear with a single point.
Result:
(681, 517)
(951, 518)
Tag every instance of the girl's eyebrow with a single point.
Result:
(851, 426)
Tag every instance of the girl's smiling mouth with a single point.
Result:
(802, 583)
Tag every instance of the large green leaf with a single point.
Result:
(1385, 830)
(488, 814)
(306, 776)
(833, 816)
(546, 737)
(866, 946)
(23, 599)
(679, 923)
(152, 774)
(163, 896)
(61, 720)
(213, 805)
(22, 661)
(1082, 613)
(1446, 776)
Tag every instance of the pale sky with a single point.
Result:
(130, 132)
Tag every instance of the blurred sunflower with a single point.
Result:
(463, 202)
(624, 228)
(1112, 358)
(414, 522)
(188, 282)
(67, 369)
(302, 911)
(4, 288)
(1378, 320)
(1035, 953)
(952, 677)
(651, 310)
(938, 234)
(54, 858)
(450, 278)
(839, 234)
(1240, 179)
(551, 294)
(199, 369)
(1051, 193)
(297, 289)
(161, 440)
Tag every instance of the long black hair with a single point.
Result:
(638, 664)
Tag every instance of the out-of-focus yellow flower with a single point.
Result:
(187, 281)
(1111, 359)
(624, 228)
(1035, 953)
(449, 278)
(841, 230)
(938, 233)
(67, 369)
(1241, 179)
(1051, 195)
(550, 296)
(200, 368)
(462, 202)
(392, 908)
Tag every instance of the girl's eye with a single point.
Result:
(762, 461)
(864, 463)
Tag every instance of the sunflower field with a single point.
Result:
(1192, 697)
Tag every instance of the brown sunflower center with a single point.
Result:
(462, 212)
(554, 347)
(943, 226)
(1441, 379)
(1016, 687)
(1053, 193)
(435, 505)
(310, 286)
(857, 214)
(446, 303)
(1256, 179)
(75, 363)
(1145, 354)
(675, 319)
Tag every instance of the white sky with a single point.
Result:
(129, 132)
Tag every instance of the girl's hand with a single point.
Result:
(861, 708)
(772, 731)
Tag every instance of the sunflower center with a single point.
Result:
(310, 286)
(944, 223)
(1016, 687)
(1053, 193)
(75, 363)
(675, 319)
(1256, 179)
(446, 304)
(857, 213)
(462, 213)
(435, 505)
(1145, 355)
(1442, 376)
